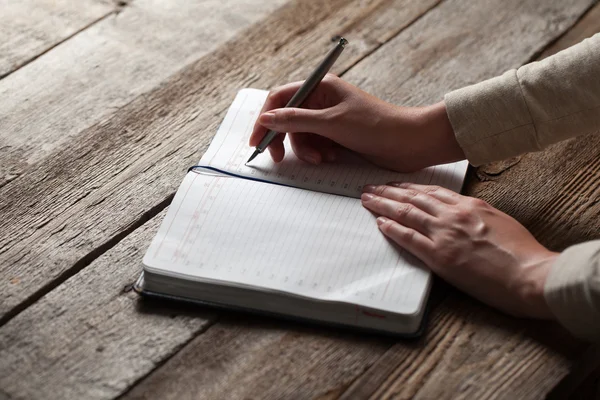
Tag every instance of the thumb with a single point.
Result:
(294, 120)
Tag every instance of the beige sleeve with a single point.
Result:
(526, 110)
(572, 290)
(530, 108)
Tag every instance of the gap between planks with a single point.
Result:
(568, 383)
(544, 47)
(120, 5)
(86, 260)
(153, 211)
(156, 210)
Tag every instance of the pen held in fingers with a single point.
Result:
(305, 90)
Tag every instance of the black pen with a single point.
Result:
(305, 90)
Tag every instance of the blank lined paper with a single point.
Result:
(229, 151)
(246, 233)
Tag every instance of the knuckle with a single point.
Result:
(480, 230)
(432, 189)
(381, 190)
(334, 114)
(386, 227)
(402, 211)
(328, 115)
(478, 203)
(462, 216)
(411, 193)
(407, 235)
(274, 94)
(330, 78)
(288, 116)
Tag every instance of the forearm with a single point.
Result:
(530, 108)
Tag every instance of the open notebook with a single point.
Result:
(289, 238)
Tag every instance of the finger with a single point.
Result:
(305, 149)
(303, 143)
(442, 194)
(280, 96)
(404, 213)
(276, 148)
(277, 98)
(326, 147)
(296, 120)
(409, 239)
(427, 203)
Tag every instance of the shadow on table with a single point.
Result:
(479, 324)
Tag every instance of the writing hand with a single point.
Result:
(468, 243)
(339, 114)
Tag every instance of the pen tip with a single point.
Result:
(341, 40)
(252, 157)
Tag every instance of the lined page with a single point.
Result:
(229, 151)
(280, 238)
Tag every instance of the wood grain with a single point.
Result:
(101, 352)
(570, 214)
(471, 343)
(83, 197)
(242, 357)
(85, 80)
(92, 337)
(470, 351)
(29, 28)
(529, 189)
(587, 26)
(554, 193)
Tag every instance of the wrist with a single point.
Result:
(435, 121)
(531, 289)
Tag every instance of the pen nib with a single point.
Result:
(252, 157)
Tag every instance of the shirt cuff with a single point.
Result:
(572, 290)
(491, 119)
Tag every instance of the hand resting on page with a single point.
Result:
(468, 243)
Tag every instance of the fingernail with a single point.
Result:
(395, 184)
(381, 221)
(367, 197)
(267, 118)
(312, 159)
(369, 188)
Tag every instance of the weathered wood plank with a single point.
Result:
(475, 353)
(23, 330)
(50, 101)
(29, 28)
(531, 185)
(241, 358)
(468, 349)
(588, 26)
(111, 174)
(83, 81)
(569, 215)
(33, 340)
(92, 337)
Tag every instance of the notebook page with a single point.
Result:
(229, 151)
(286, 239)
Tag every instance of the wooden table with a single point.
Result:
(103, 106)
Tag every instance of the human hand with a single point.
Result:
(339, 114)
(468, 243)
